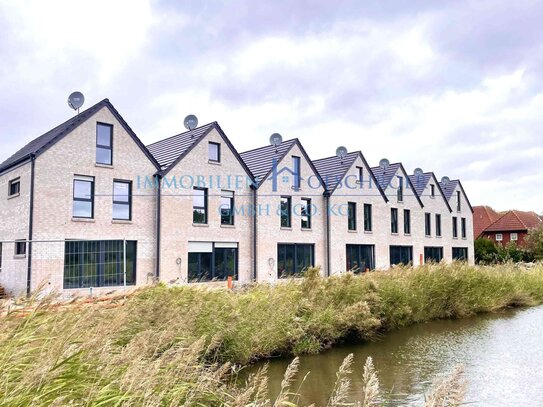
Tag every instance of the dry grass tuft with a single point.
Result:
(448, 392)
(184, 346)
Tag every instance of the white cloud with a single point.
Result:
(109, 32)
(385, 86)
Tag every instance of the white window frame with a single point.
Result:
(499, 237)
(514, 237)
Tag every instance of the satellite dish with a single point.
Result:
(190, 122)
(341, 152)
(384, 163)
(276, 139)
(445, 180)
(418, 172)
(76, 100)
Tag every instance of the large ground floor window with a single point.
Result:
(434, 254)
(360, 257)
(99, 263)
(210, 261)
(294, 258)
(401, 255)
(460, 253)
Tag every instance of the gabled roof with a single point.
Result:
(420, 182)
(333, 169)
(483, 217)
(384, 177)
(515, 221)
(169, 151)
(261, 160)
(43, 142)
(449, 188)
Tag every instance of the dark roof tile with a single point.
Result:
(420, 182)
(333, 169)
(449, 188)
(167, 151)
(261, 160)
(384, 176)
(43, 142)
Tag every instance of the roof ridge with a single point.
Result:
(335, 156)
(486, 209)
(269, 145)
(497, 220)
(519, 219)
(34, 148)
(391, 164)
(180, 134)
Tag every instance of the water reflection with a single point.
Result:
(502, 354)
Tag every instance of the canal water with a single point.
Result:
(502, 354)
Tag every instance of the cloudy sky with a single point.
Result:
(453, 87)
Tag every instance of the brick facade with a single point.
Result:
(75, 155)
(177, 226)
(464, 213)
(14, 215)
(269, 230)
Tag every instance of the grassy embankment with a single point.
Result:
(177, 346)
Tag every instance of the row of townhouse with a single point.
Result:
(87, 206)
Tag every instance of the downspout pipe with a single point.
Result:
(255, 214)
(328, 244)
(158, 186)
(30, 225)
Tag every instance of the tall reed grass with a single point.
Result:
(184, 345)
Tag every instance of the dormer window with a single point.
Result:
(14, 187)
(214, 152)
(104, 144)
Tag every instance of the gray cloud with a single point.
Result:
(454, 87)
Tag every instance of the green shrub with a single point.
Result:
(166, 346)
(534, 243)
(486, 251)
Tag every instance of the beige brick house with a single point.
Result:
(75, 208)
(404, 215)
(437, 217)
(206, 201)
(357, 212)
(290, 211)
(461, 225)
(87, 207)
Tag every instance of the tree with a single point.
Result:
(512, 252)
(534, 242)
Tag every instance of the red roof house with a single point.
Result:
(512, 226)
(483, 217)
